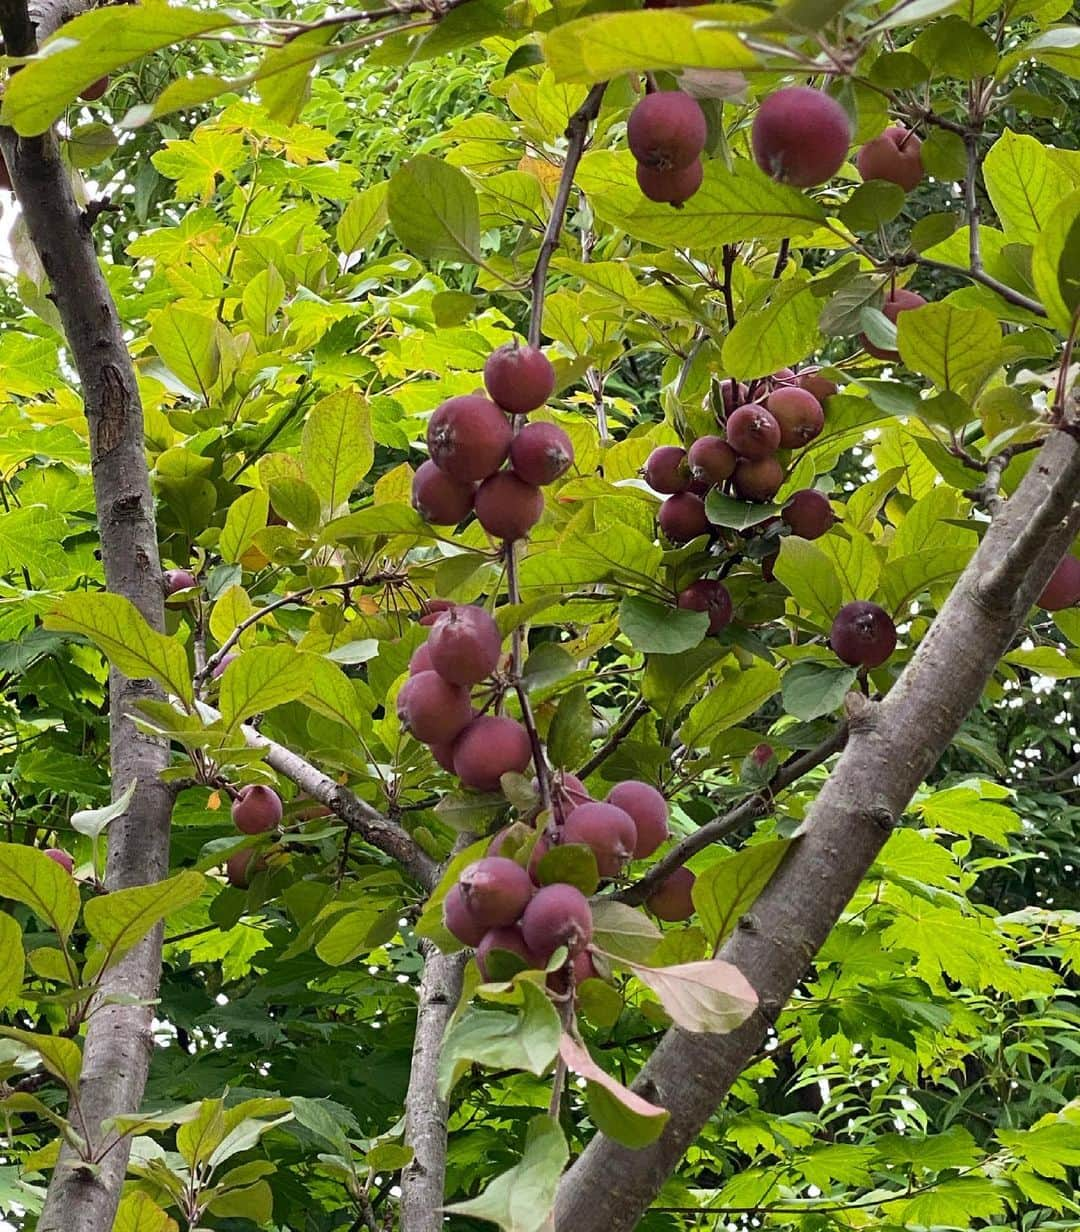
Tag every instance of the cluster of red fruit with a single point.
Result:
(470, 438)
(781, 412)
(256, 809)
(503, 910)
(666, 133)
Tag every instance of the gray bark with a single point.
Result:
(422, 1181)
(118, 1040)
(892, 746)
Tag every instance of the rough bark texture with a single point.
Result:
(891, 748)
(425, 1114)
(118, 1040)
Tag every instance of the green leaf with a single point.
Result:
(1055, 264)
(605, 45)
(944, 155)
(498, 1039)
(331, 693)
(12, 959)
(734, 698)
(725, 891)
(434, 210)
(734, 205)
(522, 1199)
(842, 315)
(723, 510)
(247, 515)
(28, 876)
(262, 298)
(872, 205)
(570, 734)
(1025, 185)
(297, 502)
(261, 678)
(189, 345)
(284, 76)
(616, 1110)
(573, 863)
(61, 1057)
(815, 689)
(954, 48)
(338, 447)
(121, 919)
(138, 1212)
(957, 348)
(254, 1203)
(810, 577)
(625, 932)
(772, 337)
(1057, 48)
(362, 219)
(660, 628)
(196, 1138)
(90, 46)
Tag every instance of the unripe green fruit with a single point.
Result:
(541, 453)
(1063, 589)
(502, 953)
(809, 513)
(757, 480)
(814, 383)
(897, 301)
(459, 920)
(491, 746)
(682, 517)
(863, 634)
(895, 156)
(468, 438)
(507, 507)
(608, 830)
(708, 595)
(465, 645)
(431, 709)
(438, 498)
(177, 580)
(800, 136)
(495, 890)
(752, 431)
(799, 415)
(667, 470)
(648, 810)
(558, 915)
(256, 809)
(668, 186)
(519, 378)
(667, 130)
(61, 857)
(672, 900)
(712, 459)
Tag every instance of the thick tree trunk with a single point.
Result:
(118, 1039)
(891, 748)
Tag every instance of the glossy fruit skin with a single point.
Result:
(672, 900)
(1063, 589)
(753, 432)
(177, 580)
(219, 668)
(708, 595)
(647, 809)
(507, 507)
(757, 481)
(895, 156)
(799, 415)
(712, 458)
(95, 90)
(607, 829)
(491, 746)
(667, 470)
(800, 136)
(495, 890)
(682, 517)
(809, 513)
(468, 438)
(541, 453)
(256, 809)
(432, 710)
(863, 634)
(519, 378)
(814, 383)
(898, 301)
(438, 498)
(509, 940)
(459, 920)
(670, 187)
(558, 915)
(465, 645)
(667, 130)
(61, 857)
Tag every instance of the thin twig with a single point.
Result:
(617, 735)
(1007, 293)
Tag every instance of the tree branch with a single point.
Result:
(422, 1181)
(976, 275)
(116, 1054)
(618, 734)
(746, 810)
(892, 746)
